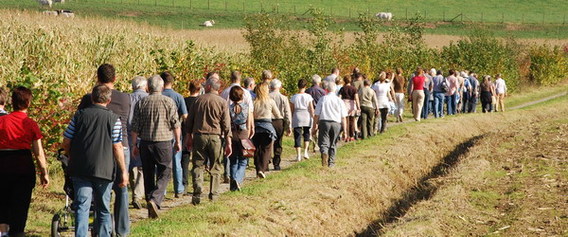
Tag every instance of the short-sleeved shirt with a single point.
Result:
(382, 90)
(116, 131)
(119, 104)
(500, 86)
(301, 116)
(438, 83)
(418, 83)
(316, 92)
(247, 96)
(398, 84)
(453, 85)
(348, 92)
(178, 99)
(17, 131)
(331, 108)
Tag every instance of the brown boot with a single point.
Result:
(324, 160)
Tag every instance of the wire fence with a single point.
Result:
(350, 11)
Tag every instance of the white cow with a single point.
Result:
(209, 23)
(384, 16)
(45, 2)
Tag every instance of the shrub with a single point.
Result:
(548, 66)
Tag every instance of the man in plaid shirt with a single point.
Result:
(154, 119)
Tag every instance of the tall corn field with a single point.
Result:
(57, 58)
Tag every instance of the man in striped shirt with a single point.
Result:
(93, 142)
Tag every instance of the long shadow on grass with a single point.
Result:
(424, 190)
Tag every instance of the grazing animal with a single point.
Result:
(209, 23)
(384, 16)
(45, 2)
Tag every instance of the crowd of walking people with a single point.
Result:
(148, 138)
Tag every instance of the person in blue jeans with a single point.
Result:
(240, 122)
(177, 170)
(93, 143)
(438, 91)
(120, 105)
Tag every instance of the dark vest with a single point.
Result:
(91, 146)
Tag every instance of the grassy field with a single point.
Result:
(526, 19)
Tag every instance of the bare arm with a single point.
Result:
(177, 137)
(357, 104)
(37, 149)
(118, 151)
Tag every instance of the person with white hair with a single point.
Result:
(315, 90)
(139, 87)
(330, 119)
(157, 123)
(281, 124)
(302, 106)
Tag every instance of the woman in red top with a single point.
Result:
(417, 88)
(19, 138)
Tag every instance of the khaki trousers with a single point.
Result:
(417, 103)
(207, 150)
(500, 102)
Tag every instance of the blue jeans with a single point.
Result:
(177, 171)
(238, 165)
(451, 100)
(85, 191)
(426, 106)
(438, 104)
(121, 218)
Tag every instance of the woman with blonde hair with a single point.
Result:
(384, 93)
(265, 109)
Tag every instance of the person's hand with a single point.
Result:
(376, 112)
(228, 150)
(124, 182)
(289, 131)
(344, 136)
(135, 151)
(189, 143)
(44, 180)
(251, 134)
(177, 146)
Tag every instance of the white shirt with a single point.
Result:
(331, 108)
(500, 86)
(247, 98)
(382, 90)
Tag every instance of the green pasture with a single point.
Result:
(517, 18)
